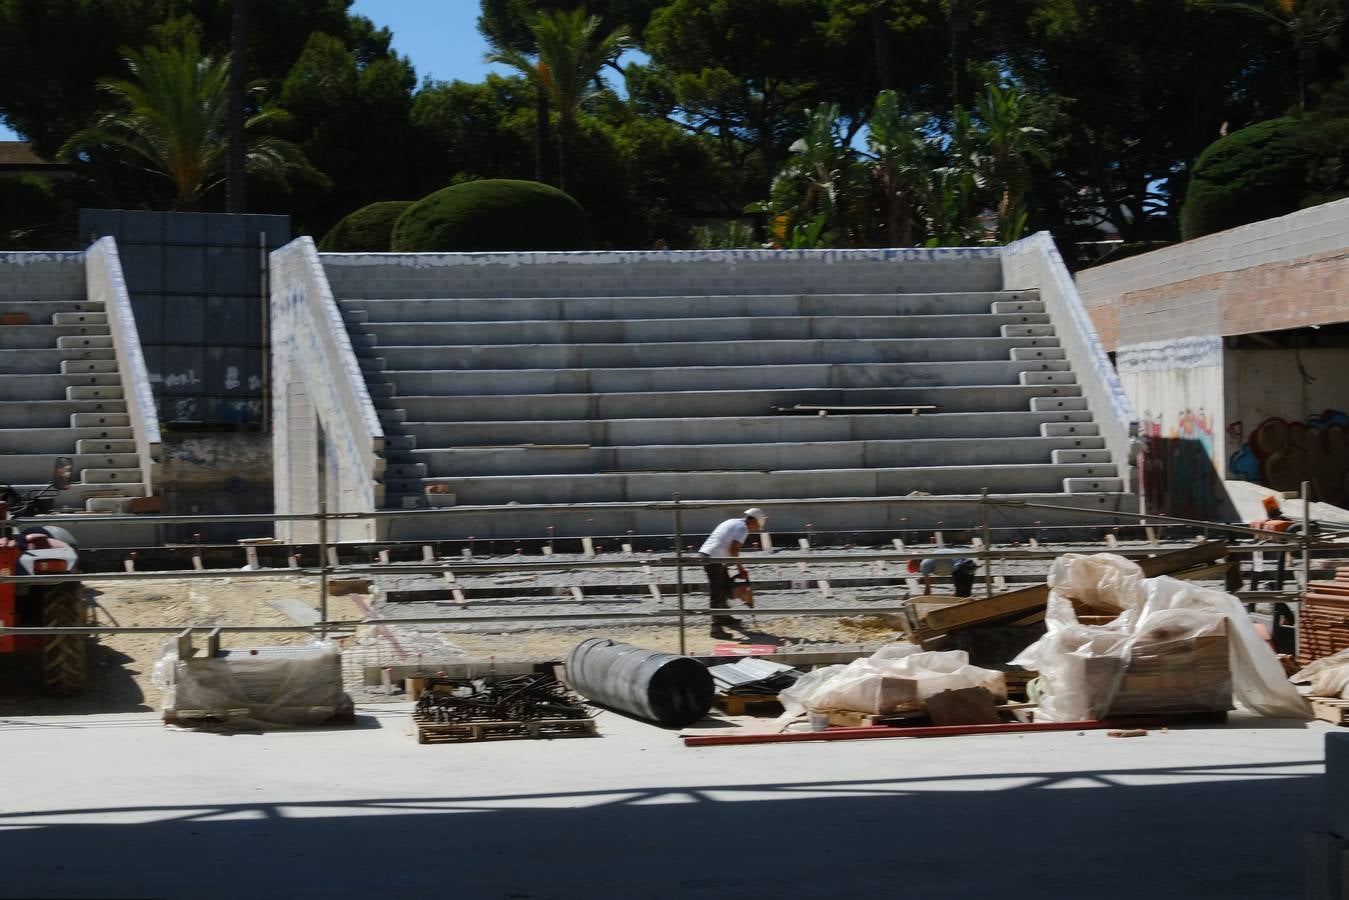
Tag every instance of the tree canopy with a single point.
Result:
(751, 122)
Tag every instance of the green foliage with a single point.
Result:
(367, 230)
(494, 214)
(1256, 173)
(29, 208)
(170, 119)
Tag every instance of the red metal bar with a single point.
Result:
(920, 731)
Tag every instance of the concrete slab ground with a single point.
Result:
(119, 806)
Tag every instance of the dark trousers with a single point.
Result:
(719, 592)
(962, 577)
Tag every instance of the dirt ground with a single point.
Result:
(121, 665)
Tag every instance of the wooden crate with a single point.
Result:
(429, 732)
(747, 704)
(1330, 709)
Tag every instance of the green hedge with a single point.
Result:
(494, 214)
(1257, 173)
(367, 230)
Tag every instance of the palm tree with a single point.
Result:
(172, 120)
(1008, 147)
(571, 54)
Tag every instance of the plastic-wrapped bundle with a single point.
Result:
(260, 687)
(897, 677)
(1328, 676)
(1168, 629)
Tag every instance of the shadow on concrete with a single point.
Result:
(111, 685)
(1219, 831)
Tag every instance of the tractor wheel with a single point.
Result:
(65, 662)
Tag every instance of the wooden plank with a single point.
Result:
(742, 704)
(1022, 602)
(1330, 709)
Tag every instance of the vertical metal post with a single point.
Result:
(323, 535)
(987, 556)
(679, 571)
(1306, 564)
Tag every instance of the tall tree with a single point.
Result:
(236, 179)
(572, 52)
(170, 120)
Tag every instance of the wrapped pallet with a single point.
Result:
(253, 688)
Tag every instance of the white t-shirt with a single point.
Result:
(719, 542)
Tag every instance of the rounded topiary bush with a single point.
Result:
(366, 230)
(495, 214)
(1256, 173)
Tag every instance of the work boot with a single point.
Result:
(721, 633)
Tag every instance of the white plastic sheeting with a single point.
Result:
(1153, 610)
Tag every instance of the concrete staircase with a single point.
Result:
(61, 395)
(535, 392)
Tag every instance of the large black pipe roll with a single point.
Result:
(662, 687)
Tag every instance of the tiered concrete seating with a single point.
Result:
(513, 384)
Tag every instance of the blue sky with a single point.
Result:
(439, 36)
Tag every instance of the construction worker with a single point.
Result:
(960, 568)
(726, 540)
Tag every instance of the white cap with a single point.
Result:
(755, 513)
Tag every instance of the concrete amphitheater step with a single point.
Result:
(50, 386)
(875, 522)
(528, 356)
(725, 377)
(583, 309)
(736, 430)
(41, 312)
(687, 331)
(34, 337)
(698, 404)
(60, 413)
(64, 441)
(28, 467)
(785, 485)
(38, 361)
(787, 455)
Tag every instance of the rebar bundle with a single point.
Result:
(520, 698)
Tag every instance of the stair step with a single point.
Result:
(1008, 307)
(1027, 330)
(1048, 377)
(80, 342)
(94, 420)
(1029, 353)
(94, 392)
(1067, 456)
(1049, 404)
(102, 475)
(106, 445)
(80, 366)
(37, 467)
(38, 337)
(51, 386)
(81, 318)
(111, 506)
(1063, 429)
(1093, 485)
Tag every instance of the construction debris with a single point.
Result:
(469, 709)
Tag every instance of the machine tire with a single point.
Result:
(65, 657)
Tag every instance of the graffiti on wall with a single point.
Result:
(1177, 473)
(1282, 454)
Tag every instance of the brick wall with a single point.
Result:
(1282, 273)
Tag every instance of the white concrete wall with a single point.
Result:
(317, 385)
(1288, 419)
(105, 284)
(1035, 263)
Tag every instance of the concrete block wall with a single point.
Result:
(319, 399)
(106, 285)
(1288, 272)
